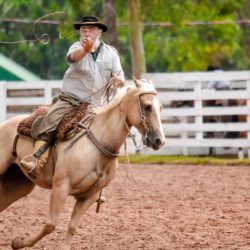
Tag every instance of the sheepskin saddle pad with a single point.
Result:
(67, 127)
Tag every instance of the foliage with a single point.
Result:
(41, 58)
(45, 57)
(178, 47)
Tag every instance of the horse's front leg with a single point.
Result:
(58, 197)
(80, 207)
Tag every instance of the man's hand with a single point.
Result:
(116, 81)
(87, 45)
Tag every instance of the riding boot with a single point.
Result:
(34, 163)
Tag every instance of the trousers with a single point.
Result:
(64, 104)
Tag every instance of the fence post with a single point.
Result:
(198, 106)
(3, 97)
(248, 113)
(47, 93)
(184, 135)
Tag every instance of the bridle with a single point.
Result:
(85, 125)
(142, 118)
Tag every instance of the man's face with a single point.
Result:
(91, 32)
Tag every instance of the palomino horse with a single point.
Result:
(84, 168)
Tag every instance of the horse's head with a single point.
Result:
(142, 108)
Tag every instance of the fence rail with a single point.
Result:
(185, 126)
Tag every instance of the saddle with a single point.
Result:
(66, 129)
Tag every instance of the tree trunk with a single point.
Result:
(109, 13)
(136, 38)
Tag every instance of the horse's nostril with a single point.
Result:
(158, 141)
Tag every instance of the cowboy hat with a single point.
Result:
(92, 21)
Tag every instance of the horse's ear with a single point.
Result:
(137, 82)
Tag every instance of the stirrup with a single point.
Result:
(33, 159)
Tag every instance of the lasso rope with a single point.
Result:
(44, 38)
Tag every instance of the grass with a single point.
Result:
(185, 160)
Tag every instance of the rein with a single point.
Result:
(97, 144)
(144, 123)
(85, 124)
(106, 152)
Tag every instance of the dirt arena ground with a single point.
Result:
(171, 207)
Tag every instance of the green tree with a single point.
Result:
(176, 47)
(43, 54)
(181, 47)
(135, 38)
(241, 57)
(32, 50)
(109, 12)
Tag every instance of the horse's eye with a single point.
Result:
(147, 108)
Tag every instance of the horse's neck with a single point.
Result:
(109, 129)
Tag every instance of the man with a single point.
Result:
(217, 85)
(93, 65)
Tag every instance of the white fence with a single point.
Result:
(188, 129)
(185, 127)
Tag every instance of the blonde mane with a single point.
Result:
(116, 100)
(145, 86)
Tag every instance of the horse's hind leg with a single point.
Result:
(58, 197)
(13, 185)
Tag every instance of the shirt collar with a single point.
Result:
(95, 54)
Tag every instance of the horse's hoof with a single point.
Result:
(17, 243)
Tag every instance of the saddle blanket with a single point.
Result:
(67, 127)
